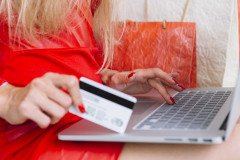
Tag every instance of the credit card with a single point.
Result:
(105, 106)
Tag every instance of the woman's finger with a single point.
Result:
(54, 93)
(51, 108)
(58, 96)
(119, 80)
(176, 87)
(32, 112)
(142, 75)
(70, 83)
(162, 90)
(107, 74)
(174, 75)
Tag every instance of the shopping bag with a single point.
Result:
(217, 47)
(151, 45)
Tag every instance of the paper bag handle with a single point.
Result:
(184, 10)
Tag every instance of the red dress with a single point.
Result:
(65, 54)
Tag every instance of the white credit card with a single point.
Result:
(105, 106)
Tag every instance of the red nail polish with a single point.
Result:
(131, 75)
(173, 100)
(81, 108)
(175, 81)
(66, 91)
(183, 88)
(108, 82)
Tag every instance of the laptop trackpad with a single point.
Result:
(143, 109)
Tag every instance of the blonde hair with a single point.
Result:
(46, 17)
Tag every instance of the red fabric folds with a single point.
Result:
(27, 141)
(72, 52)
(43, 144)
(22, 66)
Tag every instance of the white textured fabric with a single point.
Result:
(217, 33)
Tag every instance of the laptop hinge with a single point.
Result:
(224, 124)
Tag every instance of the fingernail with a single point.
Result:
(173, 100)
(81, 108)
(175, 81)
(131, 75)
(183, 88)
(66, 91)
(108, 82)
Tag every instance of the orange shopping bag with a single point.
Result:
(170, 46)
(148, 45)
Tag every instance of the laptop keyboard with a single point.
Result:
(193, 110)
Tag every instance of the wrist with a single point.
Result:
(5, 93)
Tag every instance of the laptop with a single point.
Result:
(200, 116)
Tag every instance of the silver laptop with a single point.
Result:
(200, 116)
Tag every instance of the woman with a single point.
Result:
(46, 46)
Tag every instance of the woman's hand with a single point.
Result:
(142, 81)
(42, 101)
